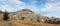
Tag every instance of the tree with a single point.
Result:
(5, 16)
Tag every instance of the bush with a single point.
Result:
(5, 16)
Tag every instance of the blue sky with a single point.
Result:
(44, 7)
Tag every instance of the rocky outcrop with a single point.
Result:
(25, 14)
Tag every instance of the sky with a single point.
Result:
(44, 7)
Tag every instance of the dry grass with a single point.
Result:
(27, 23)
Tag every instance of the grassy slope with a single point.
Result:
(25, 23)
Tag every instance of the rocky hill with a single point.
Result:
(28, 18)
(26, 15)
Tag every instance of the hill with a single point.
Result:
(26, 17)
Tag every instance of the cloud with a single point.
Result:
(52, 5)
(52, 8)
(12, 5)
(32, 6)
(15, 5)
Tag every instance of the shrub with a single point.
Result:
(5, 16)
